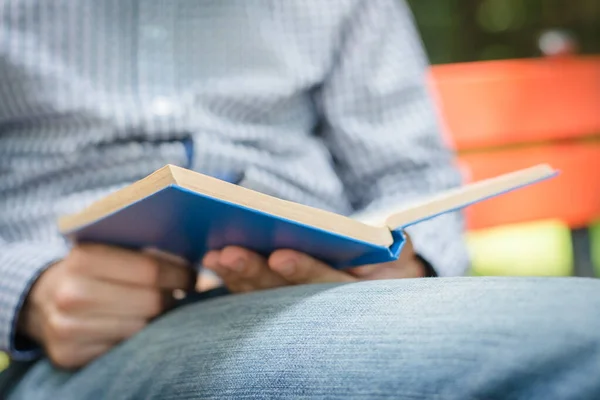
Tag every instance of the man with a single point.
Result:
(323, 103)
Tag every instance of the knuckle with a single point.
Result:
(68, 296)
(60, 328)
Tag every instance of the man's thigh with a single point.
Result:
(463, 338)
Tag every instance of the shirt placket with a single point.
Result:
(156, 62)
(157, 68)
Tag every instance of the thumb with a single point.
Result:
(398, 269)
(299, 268)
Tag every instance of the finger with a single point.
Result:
(242, 270)
(70, 356)
(211, 259)
(88, 296)
(128, 267)
(364, 270)
(89, 353)
(171, 276)
(229, 278)
(300, 268)
(249, 268)
(92, 329)
(396, 270)
(110, 330)
(242, 261)
(211, 262)
(207, 280)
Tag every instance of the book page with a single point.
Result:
(464, 196)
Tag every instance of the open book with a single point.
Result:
(186, 213)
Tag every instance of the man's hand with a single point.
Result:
(96, 297)
(243, 271)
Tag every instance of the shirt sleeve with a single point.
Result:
(383, 130)
(20, 265)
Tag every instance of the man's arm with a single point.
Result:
(383, 130)
(21, 263)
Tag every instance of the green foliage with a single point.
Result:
(477, 30)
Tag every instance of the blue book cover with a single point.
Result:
(187, 214)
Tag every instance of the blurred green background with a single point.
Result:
(479, 30)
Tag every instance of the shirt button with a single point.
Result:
(162, 107)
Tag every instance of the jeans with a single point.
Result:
(449, 338)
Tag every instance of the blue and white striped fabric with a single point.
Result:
(319, 102)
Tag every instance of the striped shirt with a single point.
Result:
(318, 102)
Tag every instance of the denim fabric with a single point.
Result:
(449, 338)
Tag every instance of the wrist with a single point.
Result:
(28, 332)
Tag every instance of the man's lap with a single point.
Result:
(427, 338)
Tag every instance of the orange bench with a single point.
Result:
(505, 115)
